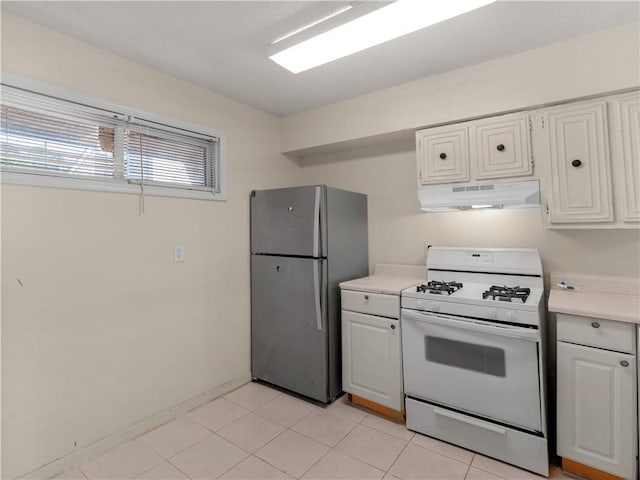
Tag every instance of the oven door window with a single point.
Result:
(470, 356)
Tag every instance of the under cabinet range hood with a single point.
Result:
(465, 196)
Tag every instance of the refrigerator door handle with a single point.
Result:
(316, 223)
(316, 294)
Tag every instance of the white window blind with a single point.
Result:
(155, 157)
(48, 136)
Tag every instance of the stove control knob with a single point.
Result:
(493, 313)
(511, 315)
(419, 303)
(435, 307)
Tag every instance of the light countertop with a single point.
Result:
(598, 296)
(388, 279)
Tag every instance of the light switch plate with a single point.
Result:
(178, 253)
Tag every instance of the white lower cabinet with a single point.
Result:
(372, 357)
(597, 403)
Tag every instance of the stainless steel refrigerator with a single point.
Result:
(304, 242)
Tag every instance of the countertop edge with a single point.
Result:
(382, 284)
(593, 305)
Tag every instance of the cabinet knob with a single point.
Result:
(624, 363)
(595, 324)
(366, 297)
(393, 327)
(500, 147)
(443, 155)
(576, 163)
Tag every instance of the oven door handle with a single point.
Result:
(474, 325)
(470, 421)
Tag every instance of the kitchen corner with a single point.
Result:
(598, 327)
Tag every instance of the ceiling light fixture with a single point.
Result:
(312, 24)
(384, 24)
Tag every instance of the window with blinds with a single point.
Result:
(48, 136)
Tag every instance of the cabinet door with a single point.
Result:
(627, 151)
(443, 154)
(501, 147)
(578, 151)
(371, 358)
(597, 408)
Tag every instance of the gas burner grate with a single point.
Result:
(507, 294)
(439, 287)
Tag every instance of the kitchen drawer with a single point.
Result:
(497, 441)
(372, 303)
(594, 332)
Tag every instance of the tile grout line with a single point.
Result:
(390, 434)
(181, 471)
(469, 466)
(210, 434)
(271, 465)
(387, 471)
(179, 451)
(235, 464)
(160, 456)
(508, 464)
(364, 461)
(253, 454)
(225, 425)
(331, 448)
(265, 460)
(249, 410)
(321, 457)
(473, 454)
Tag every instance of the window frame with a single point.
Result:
(117, 185)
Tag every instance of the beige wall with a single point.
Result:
(398, 229)
(593, 64)
(603, 61)
(100, 329)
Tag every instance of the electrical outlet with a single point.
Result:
(178, 253)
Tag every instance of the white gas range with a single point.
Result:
(473, 353)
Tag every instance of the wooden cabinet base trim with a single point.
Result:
(586, 471)
(376, 407)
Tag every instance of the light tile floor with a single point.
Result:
(256, 432)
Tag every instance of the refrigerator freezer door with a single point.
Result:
(289, 324)
(286, 221)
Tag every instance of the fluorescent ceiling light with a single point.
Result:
(312, 24)
(482, 206)
(381, 25)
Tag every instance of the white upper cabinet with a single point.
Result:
(494, 147)
(626, 143)
(443, 154)
(587, 157)
(577, 147)
(501, 147)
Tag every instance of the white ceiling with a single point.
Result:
(222, 45)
